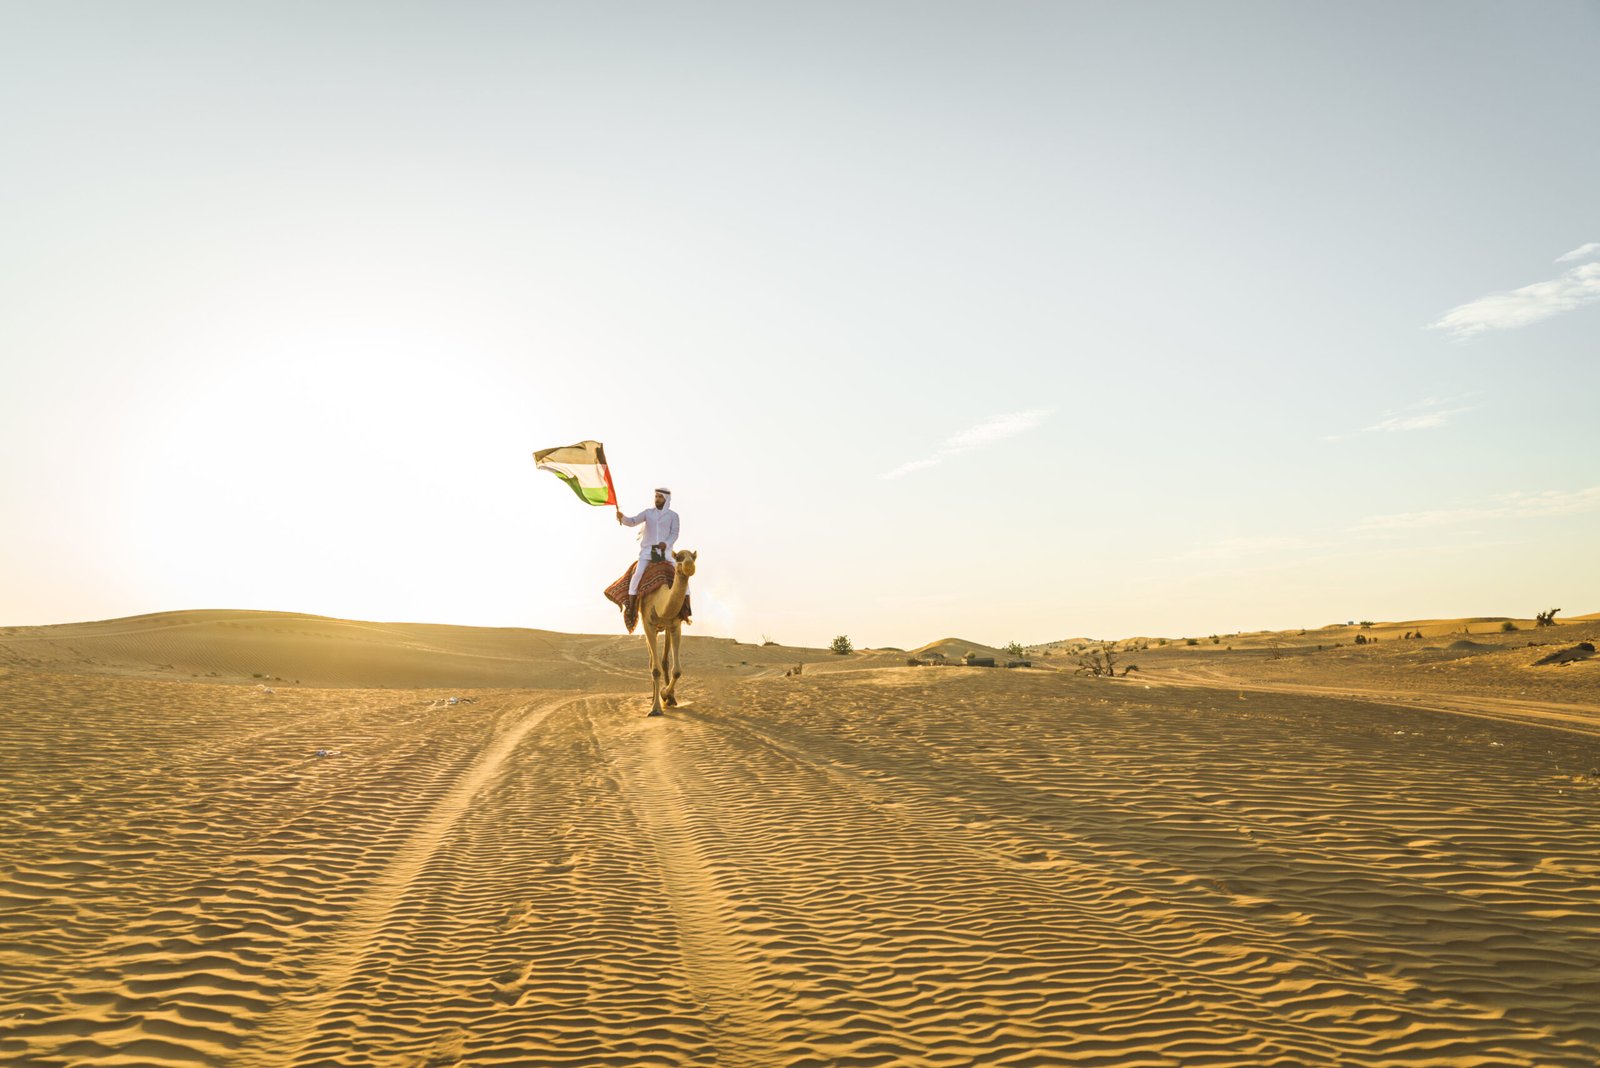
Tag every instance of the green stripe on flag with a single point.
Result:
(586, 494)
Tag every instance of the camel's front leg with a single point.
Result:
(655, 670)
(674, 637)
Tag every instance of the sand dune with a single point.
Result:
(956, 648)
(869, 864)
(284, 647)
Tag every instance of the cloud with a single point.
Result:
(1530, 304)
(1582, 252)
(1422, 421)
(1429, 414)
(1509, 506)
(914, 465)
(989, 432)
(996, 429)
(1267, 551)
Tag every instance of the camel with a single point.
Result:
(659, 612)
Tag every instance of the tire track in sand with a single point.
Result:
(285, 1031)
(717, 974)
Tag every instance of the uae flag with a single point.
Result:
(583, 467)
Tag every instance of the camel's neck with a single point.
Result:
(676, 593)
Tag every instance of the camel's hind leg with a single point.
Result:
(655, 670)
(674, 636)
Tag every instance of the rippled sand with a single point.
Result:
(861, 866)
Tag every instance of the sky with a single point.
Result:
(1006, 321)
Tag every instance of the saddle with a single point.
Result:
(658, 574)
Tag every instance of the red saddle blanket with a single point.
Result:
(655, 576)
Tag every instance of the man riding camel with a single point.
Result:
(656, 540)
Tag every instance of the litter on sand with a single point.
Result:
(330, 752)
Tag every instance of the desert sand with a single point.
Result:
(1274, 854)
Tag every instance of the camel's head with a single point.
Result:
(685, 560)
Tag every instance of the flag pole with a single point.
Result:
(616, 502)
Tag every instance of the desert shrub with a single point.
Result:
(912, 661)
(1546, 619)
(1015, 649)
(1366, 624)
(1099, 662)
(1508, 626)
(1215, 640)
(1191, 641)
(841, 645)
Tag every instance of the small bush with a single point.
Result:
(1191, 641)
(1015, 649)
(1099, 662)
(1508, 626)
(912, 661)
(841, 645)
(1366, 624)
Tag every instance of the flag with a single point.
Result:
(583, 467)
